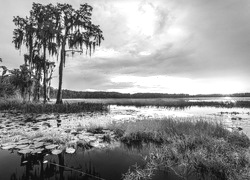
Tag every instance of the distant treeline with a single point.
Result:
(69, 94)
(222, 95)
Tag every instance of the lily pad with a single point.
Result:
(70, 150)
(38, 144)
(8, 147)
(39, 150)
(52, 146)
(87, 138)
(7, 144)
(56, 151)
(25, 151)
(47, 143)
(22, 146)
(39, 139)
(24, 141)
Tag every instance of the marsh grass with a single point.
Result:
(164, 130)
(176, 103)
(181, 104)
(206, 158)
(200, 148)
(12, 105)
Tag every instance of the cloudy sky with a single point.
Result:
(166, 46)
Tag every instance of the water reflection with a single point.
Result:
(91, 164)
(82, 165)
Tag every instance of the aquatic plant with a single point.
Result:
(204, 149)
(138, 173)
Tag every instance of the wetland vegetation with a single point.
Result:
(183, 148)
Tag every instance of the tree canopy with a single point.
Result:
(52, 29)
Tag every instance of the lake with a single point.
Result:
(94, 164)
(108, 162)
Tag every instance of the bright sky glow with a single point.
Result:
(144, 53)
(177, 85)
(176, 32)
(141, 18)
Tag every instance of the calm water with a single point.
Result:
(108, 164)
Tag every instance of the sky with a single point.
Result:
(158, 46)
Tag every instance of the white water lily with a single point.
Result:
(70, 150)
(56, 151)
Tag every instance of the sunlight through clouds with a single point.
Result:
(153, 83)
(170, 84)
(141, 17)
(176, 33)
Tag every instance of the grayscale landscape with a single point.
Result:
(124, 90)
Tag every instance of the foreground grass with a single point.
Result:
(200, 149)
(10, 105)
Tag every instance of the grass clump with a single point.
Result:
(205, 158)
(29, 107)
(200, 149)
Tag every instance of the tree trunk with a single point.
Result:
(51, 68)
(35, 93)
(59, 92)
(30, 64)
(44, 75)
(37, 85)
